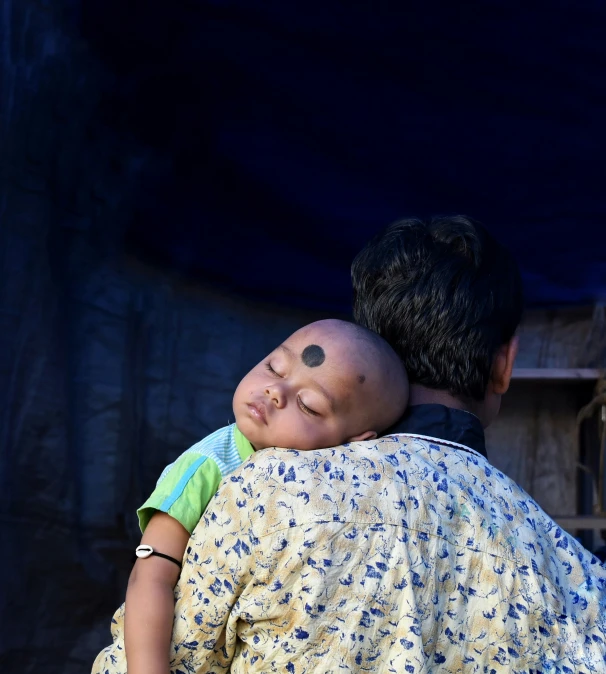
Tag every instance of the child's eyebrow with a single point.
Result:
(326, 394)
(288, 351)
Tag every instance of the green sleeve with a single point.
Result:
(184, 492)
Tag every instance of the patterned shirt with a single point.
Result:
(405, 554)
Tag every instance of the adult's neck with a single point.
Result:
(421, 395)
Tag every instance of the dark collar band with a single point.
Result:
(443, 423)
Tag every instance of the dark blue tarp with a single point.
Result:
(257, 146)
(290, 132)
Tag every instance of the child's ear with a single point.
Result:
(367, 435)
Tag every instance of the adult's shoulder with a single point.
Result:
(286, 488)
(292, 465)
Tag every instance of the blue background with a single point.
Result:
(293, 131)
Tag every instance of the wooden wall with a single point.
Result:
(535, 440)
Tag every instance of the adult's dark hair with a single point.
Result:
(444, 294)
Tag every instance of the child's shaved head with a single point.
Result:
(383, 384)
(328, 383)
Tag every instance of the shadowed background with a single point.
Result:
(185, 183)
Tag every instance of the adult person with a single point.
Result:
(410, 553)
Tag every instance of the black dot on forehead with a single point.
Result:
(361, 378)
(313, 355)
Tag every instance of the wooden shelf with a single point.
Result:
(574, 522)
(555, 374)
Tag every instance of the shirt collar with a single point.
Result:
(443, 423)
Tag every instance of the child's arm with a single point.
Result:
(150, 603)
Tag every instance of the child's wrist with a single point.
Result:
(147, 665)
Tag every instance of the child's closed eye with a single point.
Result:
(271, 370)
(305, 408)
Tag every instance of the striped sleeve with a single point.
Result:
(184, 491)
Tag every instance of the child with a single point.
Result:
(330, 382)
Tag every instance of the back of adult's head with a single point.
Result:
(445, 295)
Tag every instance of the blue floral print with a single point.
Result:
(401, 555)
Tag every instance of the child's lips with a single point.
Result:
(258, 412)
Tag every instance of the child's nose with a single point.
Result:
(276, 395)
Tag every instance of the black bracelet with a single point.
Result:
(145, 551)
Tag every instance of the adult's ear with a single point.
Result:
(367, 435)
(502, 365)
